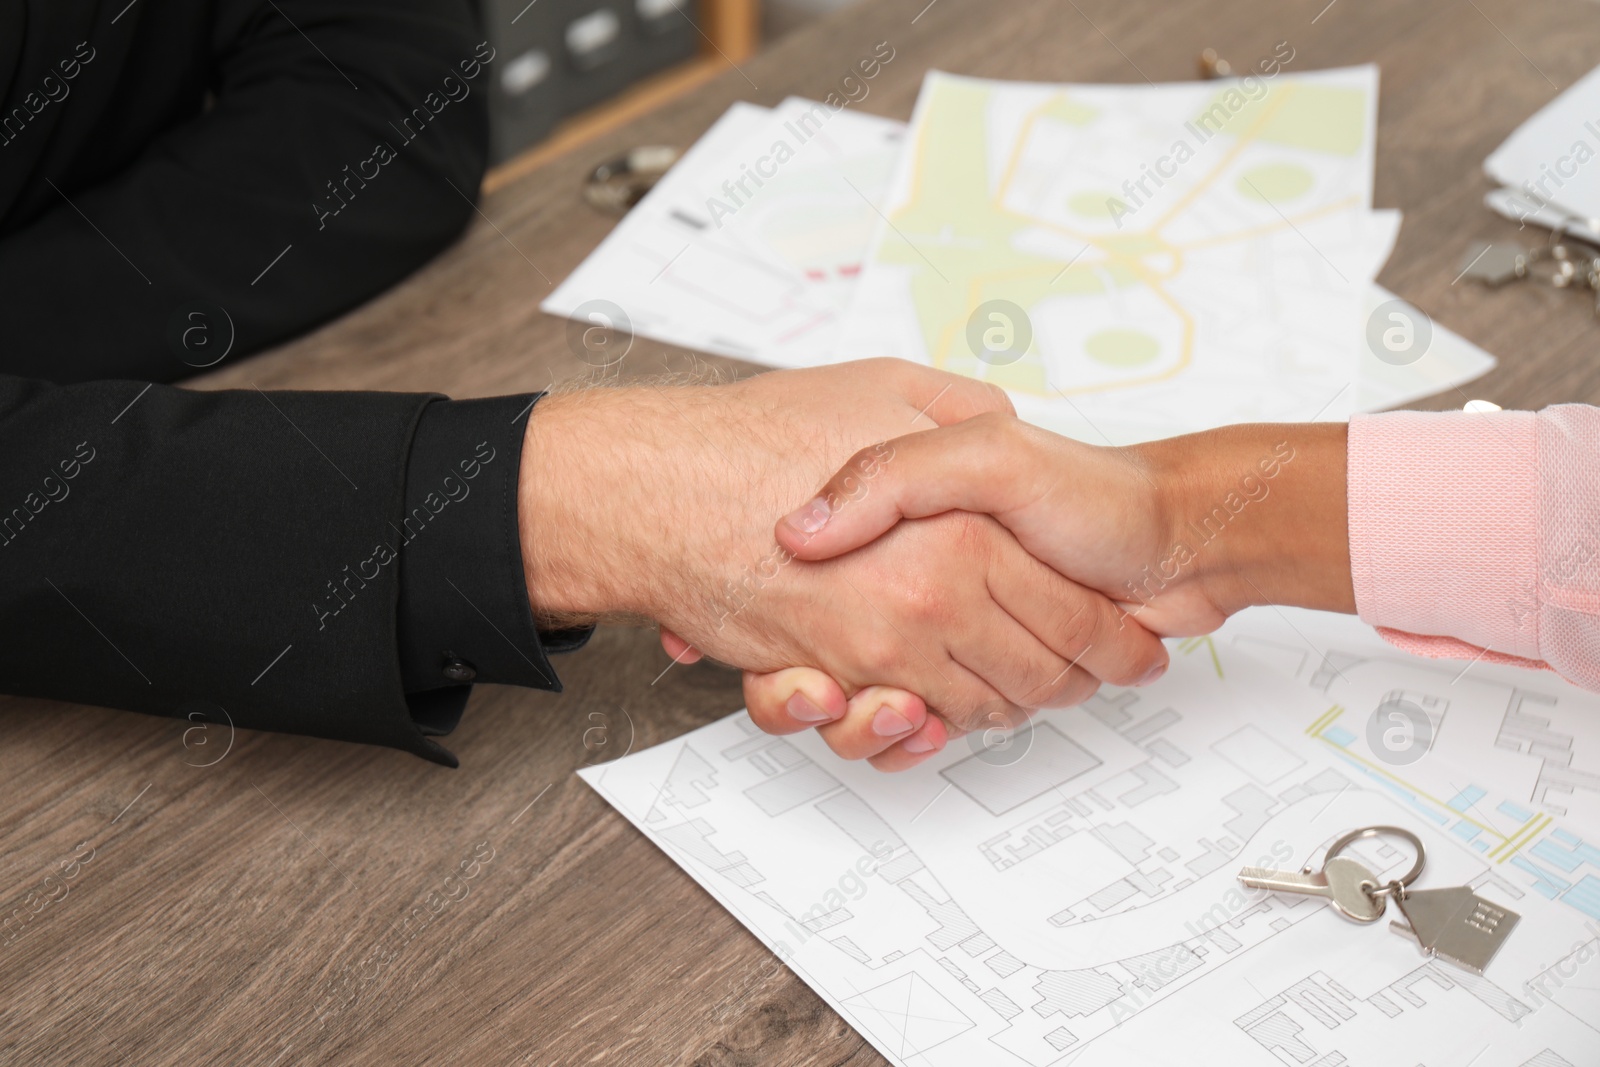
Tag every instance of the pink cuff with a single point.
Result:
(1444, 512)
(1451, 648)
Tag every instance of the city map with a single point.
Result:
(754, 246)
(1183, 255)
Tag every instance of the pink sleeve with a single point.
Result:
(1477, 535)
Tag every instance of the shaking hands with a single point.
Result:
(662, 503)
(1166, 538)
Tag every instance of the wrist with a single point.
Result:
(1262, 510)
(581, 563)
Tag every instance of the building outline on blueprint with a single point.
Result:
(1535, 736)
(1141, 806)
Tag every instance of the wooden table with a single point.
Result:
(253, 911)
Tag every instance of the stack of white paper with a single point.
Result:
(751, 246)
(1547, 166)
(1168, 257)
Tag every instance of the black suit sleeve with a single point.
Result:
(343, 147)
(164, 550)
(464, 610)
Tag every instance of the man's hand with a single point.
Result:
(659, 502)
(1181, 532)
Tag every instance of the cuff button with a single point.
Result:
(457, 670)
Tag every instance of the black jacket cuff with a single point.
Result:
(464, 615)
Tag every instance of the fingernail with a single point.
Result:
(1155, 672)
(918, 743)
(802, 709)
(889, 723)
(811, 518)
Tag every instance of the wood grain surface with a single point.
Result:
(265, 909)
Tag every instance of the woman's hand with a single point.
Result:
(1181, 532)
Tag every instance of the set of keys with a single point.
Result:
(1453, 924)
(1573, 264)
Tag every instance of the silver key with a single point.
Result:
(1495, 264)
(1342, 880)
(1455, 924)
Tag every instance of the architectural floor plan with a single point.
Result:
(1068, 894)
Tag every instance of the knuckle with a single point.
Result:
(1134, 668)
(838, 489)
(929, 604)
(1002, 399)
(966, 720)
(970, 712)
(1077, 628)
(994, 429)
(894, 373)
(1003, 715)
(1053, 692)
(879, 653)
(851, 481)
(916, 599)
(1021, 677)
(864, 459)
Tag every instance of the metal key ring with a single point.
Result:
(1397, 885)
